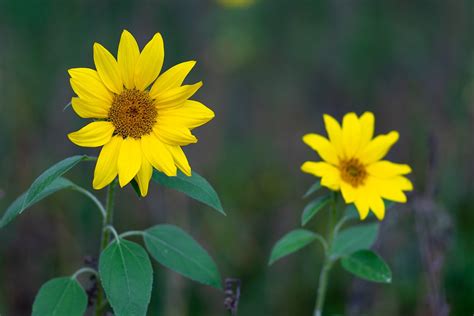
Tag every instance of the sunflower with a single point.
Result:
(353, 164)
(142, 118)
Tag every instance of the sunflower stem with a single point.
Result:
(108, 219)
(328, 261)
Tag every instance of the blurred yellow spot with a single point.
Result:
(236, 3)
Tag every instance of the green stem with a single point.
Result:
(93, 199)
(108, 219)
(324, 275)
(323, 283)
(83, 270)
(132, 233)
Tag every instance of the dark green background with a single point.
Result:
(270, 70)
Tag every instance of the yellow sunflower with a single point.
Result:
(353, 164)
(142, 118)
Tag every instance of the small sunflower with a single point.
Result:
(142, 118)
(353, 164)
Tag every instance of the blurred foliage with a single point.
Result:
(270, 69)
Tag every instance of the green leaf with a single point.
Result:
(291, 242)
(60, 296)
(354, 238)
(313, 208)
(127, 277)
(194, 186)
(178, 251)
(136, 188)
(47, 177)
(314, 188)
(17, 207)
(367, 265)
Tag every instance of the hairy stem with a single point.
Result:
(108, 219)
(324, 275)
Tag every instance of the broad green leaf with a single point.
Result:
(314, 188)
(17, 207)
(313, 208)
(47, 177)
(127, 277)
(194, 186)
(354, 238)
(59, 297)
(178, 251)
(367, 265)
(291, 242)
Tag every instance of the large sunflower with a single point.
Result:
(141, 118)
(352, 164)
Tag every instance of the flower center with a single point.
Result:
(353, 172)
(133, 113)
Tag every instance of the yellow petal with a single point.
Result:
(334, 133)
(106, 166)
(107, 68)
(350, 134)
(174, 134)
(330, 175)
(387, 169)
(362, 205)
(332, 180)
(318, 169)
(322, 146)
(367, 123)
(388, 189)
(94, 134)
(175, 96)
(397, 183)
(87, 109)
(150, 62)
(158, 155)
(172, 78)
(129, 160)
(127, 57)
(393, 195)
(180, 159)
(191, 115)
(377, 206)
(362, 201)
(378, 147)
(143, 176)
(349, 193)
(87, 84)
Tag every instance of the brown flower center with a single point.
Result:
(133, 113)
(353, 172)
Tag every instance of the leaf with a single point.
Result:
(367, 265)
(47, 177)
(178, 251)
(291, 242)
(136, 188)
(126, 276)
(17, 207)
(194, 186)
(60, 296)
(313, 208)
(314, 188)
(354, 238)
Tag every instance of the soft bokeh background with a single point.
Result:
(270, 70)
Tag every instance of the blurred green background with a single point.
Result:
(270, 70)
